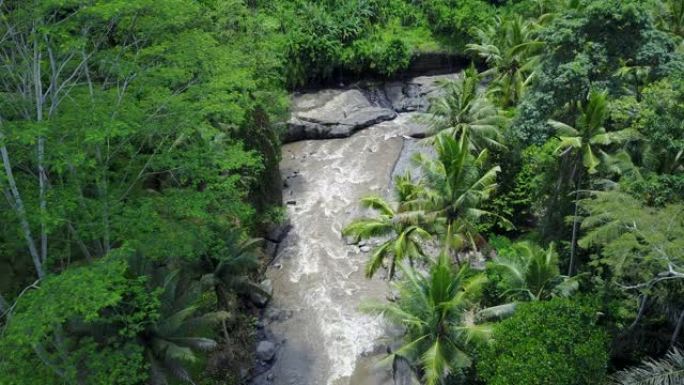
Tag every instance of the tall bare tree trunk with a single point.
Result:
(42, 185)
(79, 242)
(19, 209)
(643, 303)
(575, 221)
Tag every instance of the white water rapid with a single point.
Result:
(318, 279)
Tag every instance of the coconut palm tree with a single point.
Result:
(401, 230)
(583, 145)
(179, 333)
(226, 268)
(453, 186)
(436, 309)
(510, 48)
(530, 273)
(463, 107)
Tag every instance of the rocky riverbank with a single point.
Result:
(343, 144)
(338, 113)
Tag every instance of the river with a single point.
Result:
(318, 279)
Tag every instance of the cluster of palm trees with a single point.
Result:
(510, 48)
(448, 195)
(438, 302)
(443, 205)
(442, 208)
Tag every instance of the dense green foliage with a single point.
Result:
(140, 159)
(556, 342)
(72, 308)
(128, 129)
(325, 40)
(578, 119)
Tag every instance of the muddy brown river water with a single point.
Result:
(317, 278)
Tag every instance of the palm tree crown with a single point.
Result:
(511, 50)
(178, 334)
(226, 268)
(668, 370)
(583, 142)
(589, 134)
(530, 273)
(452, 188)
(463, 107)
(436, 310)
(403, 234)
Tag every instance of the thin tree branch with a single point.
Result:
(8, 309)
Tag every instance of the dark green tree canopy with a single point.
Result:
(586, 46)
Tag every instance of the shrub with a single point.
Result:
(557, 342)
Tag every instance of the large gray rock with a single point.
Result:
(270, 250)
(276, 232)
(403, 373)
(334, 110)
(333, 114)
(338, 113)
(266, 351)
(405, 97)
(414, 94)
(260, 299)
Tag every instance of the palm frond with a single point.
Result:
(496, 313)
(379, 204)
(434, 364)
(567, 287)
(377, 258)
(206, 321)
(474, 334)
(612, 137)
(173, 322)
(177, 352)
(198, 343)
(668, 370)
(410, 349)
(365, 228)
(567, 142)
